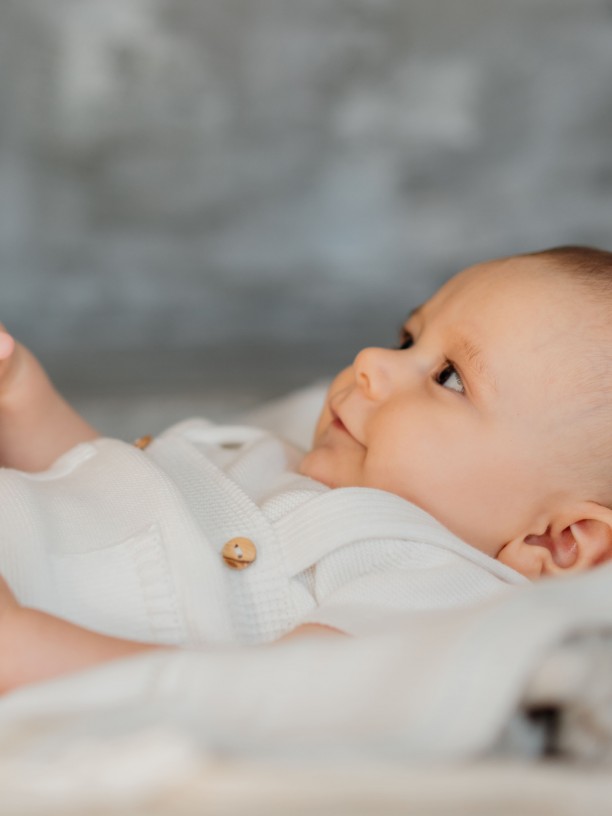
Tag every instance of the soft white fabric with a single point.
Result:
(437, 687)
(128, 542)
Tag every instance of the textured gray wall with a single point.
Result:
(280, 180)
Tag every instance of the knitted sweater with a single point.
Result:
(130, 542)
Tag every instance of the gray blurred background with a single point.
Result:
(207, 203)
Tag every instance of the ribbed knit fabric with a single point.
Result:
(129, 542)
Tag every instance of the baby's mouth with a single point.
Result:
(339, 425)
(336, 422)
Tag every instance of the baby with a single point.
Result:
(474, 456)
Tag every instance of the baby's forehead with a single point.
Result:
(523, 300)
(525, 281)
(484, 289)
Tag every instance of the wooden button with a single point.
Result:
(143, 442)
(238, 553)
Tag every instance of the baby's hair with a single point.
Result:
(591, 269)
(586, 264)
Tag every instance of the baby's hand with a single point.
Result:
(7, 344)
(8, 601)
(7, 347)
(21, 376)
(13, 363)
(36, 423)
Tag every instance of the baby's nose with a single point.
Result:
(375, 372)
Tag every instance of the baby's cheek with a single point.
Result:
(344, 379)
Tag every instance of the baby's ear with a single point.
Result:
(570, 544)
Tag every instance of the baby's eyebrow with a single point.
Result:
(471, 353)
(474, 357)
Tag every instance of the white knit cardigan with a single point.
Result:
(129, 542)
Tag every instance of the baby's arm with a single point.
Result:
(310, 629)
(35, 646)
(36, 423)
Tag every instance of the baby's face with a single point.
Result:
(466, 418)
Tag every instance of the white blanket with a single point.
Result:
(439, 687)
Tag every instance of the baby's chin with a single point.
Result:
(312, 467)
(307, 467)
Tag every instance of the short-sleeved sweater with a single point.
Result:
(129, 542)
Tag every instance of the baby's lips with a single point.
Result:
(7, 345)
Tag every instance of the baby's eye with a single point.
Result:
(405, 341)
(450, 378)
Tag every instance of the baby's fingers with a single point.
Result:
(7, 345)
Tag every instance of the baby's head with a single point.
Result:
(493, 413)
